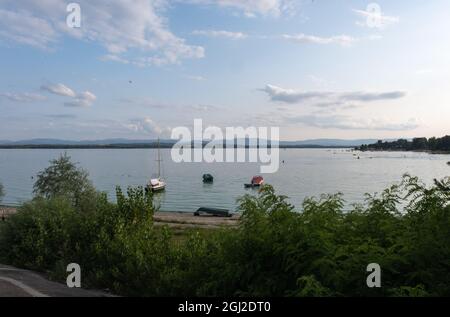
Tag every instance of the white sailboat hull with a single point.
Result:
(157, 186)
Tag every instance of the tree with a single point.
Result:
(64, 178)
(432, 143)
(420, 143)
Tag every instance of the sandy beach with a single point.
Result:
(6, 211)
(172, 219)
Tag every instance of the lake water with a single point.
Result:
(306, 172)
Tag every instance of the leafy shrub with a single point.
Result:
(64, 178)
(275, 251)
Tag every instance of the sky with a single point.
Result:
(138, 69)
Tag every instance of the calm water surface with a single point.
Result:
(306, 172)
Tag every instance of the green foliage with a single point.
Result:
(64, 179)
(310, 287)
(407, 291)
(275, 251)
(417, 144)
(137, 207)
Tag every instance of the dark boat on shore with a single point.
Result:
(257, 181)
(216, 212)
(208, 178)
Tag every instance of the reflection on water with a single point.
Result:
(305, 172)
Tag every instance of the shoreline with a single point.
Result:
(175, 219)
(407, 151)
(401, 150)
(5, 211)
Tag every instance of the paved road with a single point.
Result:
(22, 283)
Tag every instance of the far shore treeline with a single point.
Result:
(433, 145)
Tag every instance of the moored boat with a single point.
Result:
(256, 181)
(157, 183)
(216, 212)
(208, 178)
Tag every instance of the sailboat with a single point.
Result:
(157, 184)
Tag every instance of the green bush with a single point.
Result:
(64, 178)
(324, 251)
(275, 251)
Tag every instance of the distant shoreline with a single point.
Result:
(149, 146)
(403, 150)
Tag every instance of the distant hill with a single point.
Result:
(82, 142)
(130, 143)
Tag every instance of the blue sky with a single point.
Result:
(316, 69)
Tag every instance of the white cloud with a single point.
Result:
(195, 77)
(23, 97)
(59, 89)
(251, 8)
(24, 28)
(343, 40)
(374, 37)
(114, 58)
(147, 125)
(329, 102)
(136, 32)
(249, 15)
(146, 103)
(349, 123)
(150, 126)
(77, 103)
(61, 116)
(88, 96)
(204, 108)
(291, 95)
(221, 33)
(83, 99)
(323, 98)
(371, 96)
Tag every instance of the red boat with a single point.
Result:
(256, 182)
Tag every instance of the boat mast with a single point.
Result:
(159, 161)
